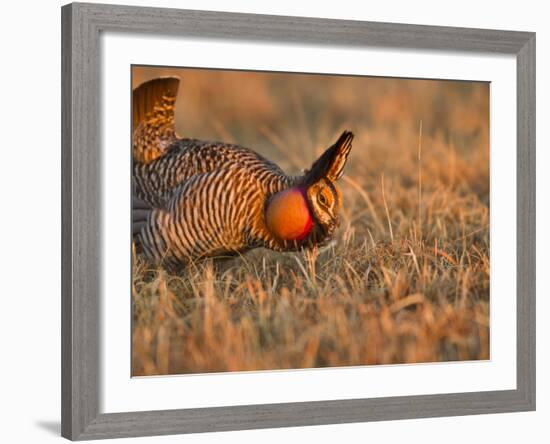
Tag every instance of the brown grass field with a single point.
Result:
(406, 278)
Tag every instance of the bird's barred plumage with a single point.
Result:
(196, 199)
(156, 181)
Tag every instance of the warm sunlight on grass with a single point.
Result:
(406, 278)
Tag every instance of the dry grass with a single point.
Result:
(406, 278)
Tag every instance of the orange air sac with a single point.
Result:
(288, 216)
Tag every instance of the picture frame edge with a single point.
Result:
(81, 419)
(218, 419)
(526, 220)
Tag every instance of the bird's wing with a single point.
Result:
(155, 182)
(153, 124)
(205, 215)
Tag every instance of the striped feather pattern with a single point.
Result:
(156, 181)
(207, 206)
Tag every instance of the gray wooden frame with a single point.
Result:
(81, 231)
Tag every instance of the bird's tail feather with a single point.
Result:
(153, 123)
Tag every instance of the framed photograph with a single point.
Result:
(278, 221)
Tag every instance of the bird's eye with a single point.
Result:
(322, 199)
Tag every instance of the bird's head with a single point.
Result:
(308, 213)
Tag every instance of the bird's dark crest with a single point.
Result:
(332, 162)
(153, 123)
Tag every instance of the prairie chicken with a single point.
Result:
(194, 199)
